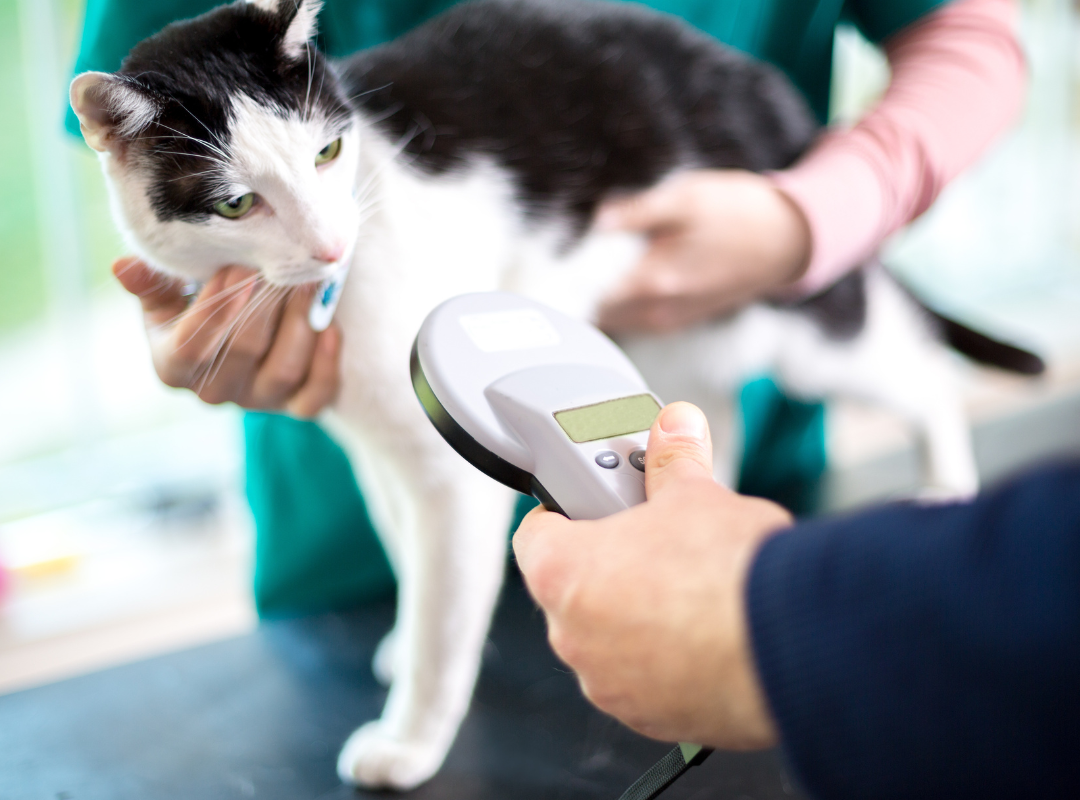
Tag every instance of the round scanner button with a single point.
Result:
(608, 459)
(637, 460)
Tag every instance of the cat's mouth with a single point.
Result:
(306, 272)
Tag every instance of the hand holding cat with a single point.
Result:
(718, 239)
(260, 355)
(647, 606)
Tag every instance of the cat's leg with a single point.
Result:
(451, 553)
(898, 363)
(387, 507)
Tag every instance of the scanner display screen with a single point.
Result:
(610, 418)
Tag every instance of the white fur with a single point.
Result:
(414, 241)
(306, 210)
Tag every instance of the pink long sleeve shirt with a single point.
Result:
(958, 78)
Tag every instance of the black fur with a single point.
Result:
(986, 349)
(579, 100)
(840, 310)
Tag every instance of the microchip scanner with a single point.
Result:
(549, 406)
(537, 400)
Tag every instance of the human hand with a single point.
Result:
(718, 239)
(647, 606)
(226, 346)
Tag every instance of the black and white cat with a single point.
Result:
(470, 155)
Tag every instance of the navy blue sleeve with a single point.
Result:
(929, 652)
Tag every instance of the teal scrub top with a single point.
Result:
(315, 547)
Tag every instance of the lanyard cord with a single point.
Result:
(665, 771)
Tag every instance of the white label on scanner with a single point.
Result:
(522, 329)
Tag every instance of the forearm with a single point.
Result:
(928, 652)
(958, 79)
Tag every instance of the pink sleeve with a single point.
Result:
(958, 78)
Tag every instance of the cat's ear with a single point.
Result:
(302, 27)
(111, 110)
(301, 17)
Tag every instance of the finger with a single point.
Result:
(289, 360)
(242, 344)
(161, 296)
(324, 378)
(679, 449)
(544, 547)
(660, 208)
(257, 329)
(197, 336)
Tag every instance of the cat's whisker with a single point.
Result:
(192, 175)
(213, 135)
(361, 193)
(310, 67)
(220, 154)
(268, 297)
(215, 159)
(366, 92)
(205, 371)
(220, 299)
(322, 82)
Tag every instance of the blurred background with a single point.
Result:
(123, 529)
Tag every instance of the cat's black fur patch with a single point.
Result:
(840, 310)
(192, 71)
(578, 100)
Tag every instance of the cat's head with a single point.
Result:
(227, 139)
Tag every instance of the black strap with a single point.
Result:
(664, 772)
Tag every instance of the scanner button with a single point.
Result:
(608, 459)
(637, 460)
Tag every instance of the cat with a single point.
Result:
(469, 155)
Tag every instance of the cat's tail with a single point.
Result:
(975, 344)
(985, 349)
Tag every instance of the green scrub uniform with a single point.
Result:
(315, 546)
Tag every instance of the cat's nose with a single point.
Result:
(330, 252)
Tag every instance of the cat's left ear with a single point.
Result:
(111, 109)
(301, 17)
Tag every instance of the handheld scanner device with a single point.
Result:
(549, 406)
(537, 400)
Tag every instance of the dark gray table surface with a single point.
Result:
(263, 715)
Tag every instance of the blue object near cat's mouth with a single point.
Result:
(325, 302)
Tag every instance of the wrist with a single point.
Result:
(751, 710)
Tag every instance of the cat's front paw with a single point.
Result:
(374, 759)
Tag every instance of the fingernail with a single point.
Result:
(683, 419)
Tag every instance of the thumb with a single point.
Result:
(680, 448)
(647, 212)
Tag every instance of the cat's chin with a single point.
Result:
(300, 276)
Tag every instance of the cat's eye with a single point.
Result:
(328, 153)
(236, 207)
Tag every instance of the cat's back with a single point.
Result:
(578, 98)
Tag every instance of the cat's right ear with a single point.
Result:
(110, 109)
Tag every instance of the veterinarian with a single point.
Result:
(719, 239)
(906, 652)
